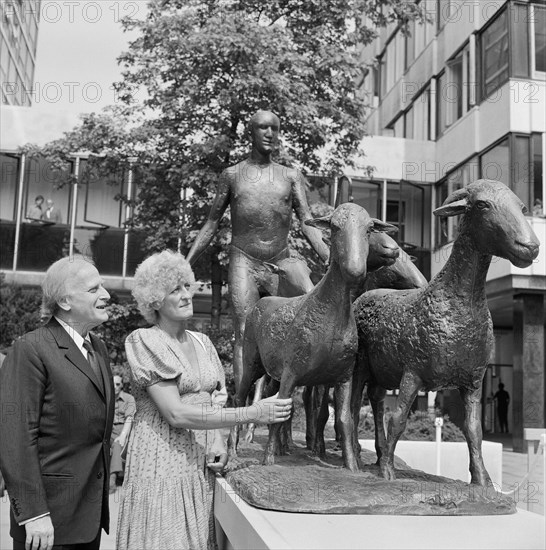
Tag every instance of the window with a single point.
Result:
(495, 163)
(538, 42)
(521, 169)
(366, 194)
(538, 167)
(454, 94)
(464, 174)
(454, 89)
(417, 117)
(494, 54)
(526, 163)
(9, 167)
(443, 12)
(392, 62)
(441, 104)
(517, 162)
(519, 40)
(420, 34)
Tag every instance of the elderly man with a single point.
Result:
(52, 213)
(57, 407)
(262, 195)
(124, 413)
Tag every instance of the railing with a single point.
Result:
(41, 244)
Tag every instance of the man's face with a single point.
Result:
(49, 203)
(265, 132)
(86, 299)
(118, 384)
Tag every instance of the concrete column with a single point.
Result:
(528, 401)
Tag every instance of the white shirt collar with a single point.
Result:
(76, 336)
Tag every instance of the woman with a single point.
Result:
(175, 447)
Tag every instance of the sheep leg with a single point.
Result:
(409, 386)
(472, 429)
(377, 399)
(288, 383)
(258, 392)
(309, 397)
(285, 436)
(253, 371)
(321, 393)
(359, 381)
(344, 419)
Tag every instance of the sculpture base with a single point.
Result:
(301, 482)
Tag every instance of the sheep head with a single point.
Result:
(493, 218)
(350, 226)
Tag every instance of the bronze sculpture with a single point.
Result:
(262, 195)
(440, 336)
(312, 339)
(383, 273)
(382, 252)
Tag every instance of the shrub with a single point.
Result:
(19, 311)
(123, 319)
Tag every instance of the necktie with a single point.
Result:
(94, 362)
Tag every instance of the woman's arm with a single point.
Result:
(209, 417)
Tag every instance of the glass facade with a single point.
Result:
(19, 20)
(32, 238)
(406, 208)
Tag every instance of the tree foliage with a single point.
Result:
(207, 65)
(203, 68)
(19, 311)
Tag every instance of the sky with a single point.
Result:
(78, 44)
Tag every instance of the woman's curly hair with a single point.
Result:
(156, 277)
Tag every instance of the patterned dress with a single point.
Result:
(168, 490)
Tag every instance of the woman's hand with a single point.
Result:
(273, 410)
(217, 456)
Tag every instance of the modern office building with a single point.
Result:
(456, 99)
(19, 22)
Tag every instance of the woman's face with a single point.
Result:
(177, 305)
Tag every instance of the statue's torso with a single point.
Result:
(261, 207)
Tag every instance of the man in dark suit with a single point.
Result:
(52, 213)
(57, 410)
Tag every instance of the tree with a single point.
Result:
(207, 65)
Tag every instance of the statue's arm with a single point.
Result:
(207, 232)
(312, 234)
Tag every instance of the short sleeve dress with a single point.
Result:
(168, 492)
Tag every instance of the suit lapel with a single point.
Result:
(72, 352)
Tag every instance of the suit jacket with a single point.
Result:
(55, 427)
(54, 215)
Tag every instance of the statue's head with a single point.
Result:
(264, 129)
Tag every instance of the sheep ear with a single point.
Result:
(454, 205)
(384, 227)
(451, 209)
(319, 223)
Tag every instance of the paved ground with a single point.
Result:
(529, 493)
